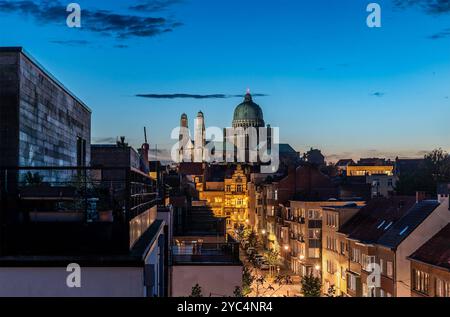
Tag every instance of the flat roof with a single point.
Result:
(21, 50)
(135, 258)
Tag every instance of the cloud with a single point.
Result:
(121, 46)
(194, 96)
(154, 5)
(440, 35)
(429, 6)
(378, 94)
(103, 22)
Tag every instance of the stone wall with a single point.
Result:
(51, 120)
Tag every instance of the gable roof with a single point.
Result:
(388, 222)
(436, 251)
(378, 216)
(408, 223)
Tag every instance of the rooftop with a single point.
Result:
(436, 251)
(372, 221)
(18, 49)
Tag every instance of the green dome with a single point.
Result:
(248, 114)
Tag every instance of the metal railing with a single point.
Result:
(191, 253)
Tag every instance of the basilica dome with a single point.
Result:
(248, 114)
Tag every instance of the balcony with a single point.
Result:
(199, 253)
(75, 209)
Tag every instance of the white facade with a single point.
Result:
(51, 282)
(215, 281)
(434, 223)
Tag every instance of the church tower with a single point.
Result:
(199, 138)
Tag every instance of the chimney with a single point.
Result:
(420, 196)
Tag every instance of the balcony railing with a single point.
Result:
(205, 253)
(82, 208)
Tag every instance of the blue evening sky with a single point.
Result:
(332, 82)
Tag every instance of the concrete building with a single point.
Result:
(56, 210)
(41, 122)
(382, 185)
(212, 262)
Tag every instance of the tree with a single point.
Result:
(434, 170)
(311, 286)
(196, 291)
(238, 292)
(272, 259)
(252, 240)
(247, 281)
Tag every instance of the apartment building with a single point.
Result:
(334, 246)
(305, 221)
(381, 236)
(430, 267)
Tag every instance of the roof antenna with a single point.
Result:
(145, 134)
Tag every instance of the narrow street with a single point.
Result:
(270, 287)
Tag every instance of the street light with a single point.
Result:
(263, 232)
(286, 247)
(317, 267)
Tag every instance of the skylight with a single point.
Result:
(389, 225)
(403, 231)
(381, 224)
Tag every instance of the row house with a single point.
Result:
(305, 222)
(334, 246)
(430, 267)
(379, 240)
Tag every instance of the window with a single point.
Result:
(403, 231)
(81, 152)
(314, 253)
(442, 288)
(239, 189)
(367, 261)
(389, 225)
(228, 188)
(314, 233)
(382, 266)
(331, 267)
(342, 247)
(356, 255)
(389, 269)
(351, 282)
(313, 214)
(421, 281)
